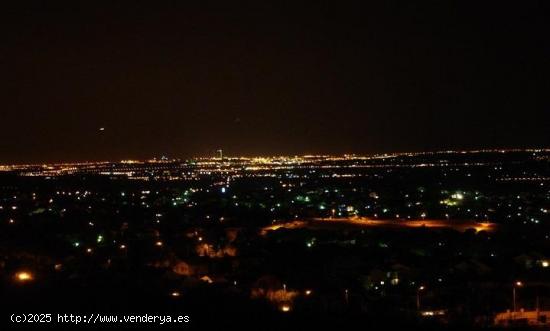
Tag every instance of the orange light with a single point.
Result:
(158, 243)
(24, 276)
(175, 294)
(308, 292)
(518, 283)
(285, 308)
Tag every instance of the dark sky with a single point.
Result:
(184, 78)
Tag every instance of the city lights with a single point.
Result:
(284, 216)
(275, 165)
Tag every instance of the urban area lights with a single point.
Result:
(257, 165)
(204, 224)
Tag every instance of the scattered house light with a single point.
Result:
(430, 313)
(285, 308)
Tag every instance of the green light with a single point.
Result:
(99, 239)
(449, 202)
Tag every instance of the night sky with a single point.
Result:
(185, 78)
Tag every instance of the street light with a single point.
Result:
(420, 289)
(24, 276)
(516, 284)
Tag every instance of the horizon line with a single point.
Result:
(244, 157)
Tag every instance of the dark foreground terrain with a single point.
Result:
(279, 243)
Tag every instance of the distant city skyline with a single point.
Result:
(215, 156)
